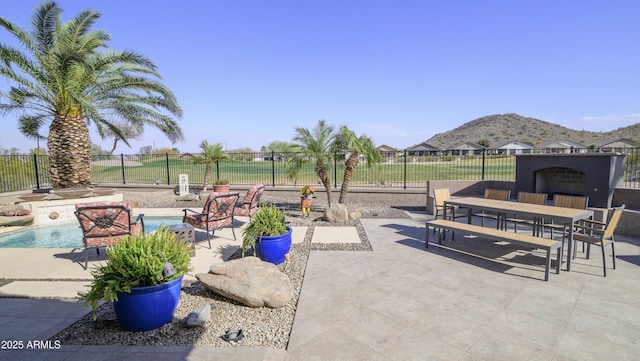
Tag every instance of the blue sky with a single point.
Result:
(248, 72)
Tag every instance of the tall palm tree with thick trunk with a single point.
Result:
(67, 76)
(347, 141)
(313, 146)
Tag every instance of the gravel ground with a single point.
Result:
(263, 327)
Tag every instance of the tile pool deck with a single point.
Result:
(398, 302)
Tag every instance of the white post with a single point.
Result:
(184, 184)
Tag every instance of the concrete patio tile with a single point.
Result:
(299, 232)
(403, 310)
(335, 235)
(412, 344)
(578, 345)
(612, 292)
(468, 308)
(540, 333)
(538, 307)
(330, 345)
(609, 308)
(45, 289)
(499, 346)
(496, 295)
(305, 327)
(546, 291)
(618, 331)
(370, 328)
(454, 329)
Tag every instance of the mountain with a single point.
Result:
(499, 128)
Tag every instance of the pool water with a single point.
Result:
(67, 235)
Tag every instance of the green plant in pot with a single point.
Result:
(221, 186)
(268, 234)
(142, 277)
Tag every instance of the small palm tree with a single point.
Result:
(313, 146)
(211, 154)
(346, 140)
(69, 77)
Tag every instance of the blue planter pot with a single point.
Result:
(273, 248)
(146, 308)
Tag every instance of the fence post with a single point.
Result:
(273, 168)
(405, 168)
(168, 175)
(484, 150)
(35, 166)
(124, 181)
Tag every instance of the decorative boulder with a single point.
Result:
(337, 213)
(356, 214)
(249, 281)
(199, 316)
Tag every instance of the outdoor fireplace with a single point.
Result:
(593, 175)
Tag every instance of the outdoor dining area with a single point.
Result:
(528, 222)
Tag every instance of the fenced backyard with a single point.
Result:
(398, 169)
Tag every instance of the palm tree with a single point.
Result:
(313, 146)
(346, 140)
(127, 131)
(211, 153)
(69, 77)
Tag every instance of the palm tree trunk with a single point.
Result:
(207, 175)
(321, 171)
(69, 152)
(350, 166)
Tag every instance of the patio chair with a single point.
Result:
(251, 202)
(439, 197)
(497, 194)
(599, 234)
(104, 223)
(559, 200)
(216, 214)
(530, 198)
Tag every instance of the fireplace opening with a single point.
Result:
(560, 180)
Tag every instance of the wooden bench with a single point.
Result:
(500, 235)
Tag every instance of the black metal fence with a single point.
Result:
(398, 169)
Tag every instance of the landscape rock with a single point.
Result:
(199, 317)
(355, 214)
(249, 281)
(337, 213)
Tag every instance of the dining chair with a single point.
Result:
(440, 196)
(104, 223)
(216, 214)
(599, 234)
(530, 198)
(560, 200)
(497, 194)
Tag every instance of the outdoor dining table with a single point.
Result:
(535, 212)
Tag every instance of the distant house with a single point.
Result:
(186, 156)
(562, 146)
(512, 147)
(389, 153)
(423, 149)
(613, 145)
(385, 148)
(466, 149)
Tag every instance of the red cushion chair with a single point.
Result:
(104, 223)
(216, 214)
(251, 201)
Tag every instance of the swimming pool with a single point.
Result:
(67, 235)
